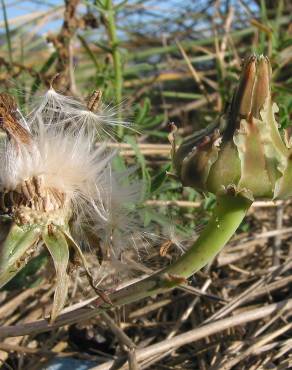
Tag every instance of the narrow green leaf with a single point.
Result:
(141, 160)
(7, 32)
(89, 52)
(14, 250)
(77, 249)
(104, 47)
(28, 277)
(151, 122)
(57, 245)
(159, 179)
(142, 112)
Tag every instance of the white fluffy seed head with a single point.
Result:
(65, 159)
(63, 152)
(118, 222)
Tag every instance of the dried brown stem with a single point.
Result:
(63, 45)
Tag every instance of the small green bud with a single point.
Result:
(244, 152)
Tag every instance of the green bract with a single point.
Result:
(21, 239)
(244, 153)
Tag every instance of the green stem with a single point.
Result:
(226, 217)
(118, 73)
(7, 32)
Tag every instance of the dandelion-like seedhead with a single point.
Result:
(58, 188)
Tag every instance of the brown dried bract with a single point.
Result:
(8, 102)
(9, 122)
(94, 100)
(164, 248)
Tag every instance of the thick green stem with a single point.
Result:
(226, 217)
(118, 73)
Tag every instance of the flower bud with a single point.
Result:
(244, 152)
(254, 86)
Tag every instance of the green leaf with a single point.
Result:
(151, 215)
(89, 52)
(14, 250)
(27, 277)
(150, 122)
(57, 245)
(141, 160)
(119, 163)
(104, 47)
(7, 32)
(159, 179)
(77, 249)
(142, 112)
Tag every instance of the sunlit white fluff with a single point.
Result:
(66, 160)
(178, 239)
(55, 108)
(117, 220)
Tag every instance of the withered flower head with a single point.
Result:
(243, 153)
(58, 188)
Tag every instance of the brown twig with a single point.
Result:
(63, 45)
(126, 342)
(205, 331)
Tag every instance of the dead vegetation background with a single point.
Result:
(158, 62)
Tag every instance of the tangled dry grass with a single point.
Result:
(236, 315)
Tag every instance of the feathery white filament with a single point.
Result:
(59, 109)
